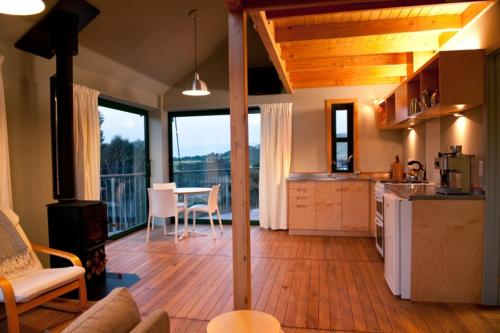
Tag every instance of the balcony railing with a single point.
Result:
(207, 178)
(126, 197)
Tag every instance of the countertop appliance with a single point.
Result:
(397, 244)
(415, 174)
(455, 170)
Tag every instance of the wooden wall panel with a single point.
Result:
(447, 251)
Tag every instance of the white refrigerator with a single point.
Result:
(397, 241)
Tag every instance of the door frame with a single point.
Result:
(192, 113)
(121, 106)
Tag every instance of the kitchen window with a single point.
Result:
(340, 121)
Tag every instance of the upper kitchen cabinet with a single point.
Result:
(451, 81)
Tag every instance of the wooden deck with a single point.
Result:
(311, 284)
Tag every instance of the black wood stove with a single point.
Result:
(79, 227)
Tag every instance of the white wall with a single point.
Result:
(26, 80)
(377, 148)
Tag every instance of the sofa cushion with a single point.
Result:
(157, 322)
(115, 313)
(38, 282)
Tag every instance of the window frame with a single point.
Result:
(122, 106)
(352, 135)
(195, 113)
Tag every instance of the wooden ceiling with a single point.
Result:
(323, 43)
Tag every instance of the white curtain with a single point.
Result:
(87, 143)
(5, 185)
(275, 157)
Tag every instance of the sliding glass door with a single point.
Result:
(200, 155)
(124, 165)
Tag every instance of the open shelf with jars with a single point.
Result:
(451, 81)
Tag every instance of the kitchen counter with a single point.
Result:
(336, 177)
(427, 192)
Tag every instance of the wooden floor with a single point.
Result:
(311, 284)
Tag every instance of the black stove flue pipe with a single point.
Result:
(63, 161)
(57, 34)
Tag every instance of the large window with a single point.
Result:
(124, 165)
(200, 153)
(342, 137)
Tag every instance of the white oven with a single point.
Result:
(379, 217)
(379, 237)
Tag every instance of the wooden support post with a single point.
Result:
(240, 193)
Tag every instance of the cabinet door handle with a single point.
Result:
(304, 190)
(302, 198)
(301, 206)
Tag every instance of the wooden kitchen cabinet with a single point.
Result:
(301, 205)
(328, 206)
(355, 205)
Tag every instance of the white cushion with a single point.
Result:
(38, 282)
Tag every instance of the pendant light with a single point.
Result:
(197, 87)
(21, 7)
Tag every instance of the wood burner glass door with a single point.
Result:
(124, 166)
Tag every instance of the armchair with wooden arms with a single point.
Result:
(39, 285)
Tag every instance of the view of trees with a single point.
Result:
(121, 156)
(213, 161)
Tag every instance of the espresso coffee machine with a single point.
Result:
(456, 171)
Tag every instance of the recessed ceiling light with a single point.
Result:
(458, 114)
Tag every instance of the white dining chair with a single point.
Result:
(211, 207)
(162, 203)
(168, 186)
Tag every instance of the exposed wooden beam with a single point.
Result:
(282, 8)
(234, 5)
(346, 61)
(347, 82)
(368, 28)
(295, 50)
(445, 37)
(410, 68)
(266, 33)
(474, 10)
(349, 73)
(240, 175)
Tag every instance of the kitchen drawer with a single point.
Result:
(301, 185)
(301, 192)
(301, 216)
(294, 198)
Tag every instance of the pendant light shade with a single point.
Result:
(197, 87)
(21, 7)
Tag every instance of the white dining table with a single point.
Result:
(186, 192)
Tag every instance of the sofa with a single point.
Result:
(118, 313)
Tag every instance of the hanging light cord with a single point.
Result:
(194, 14)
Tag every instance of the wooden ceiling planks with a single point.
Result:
(315, 43)
(367, 28)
